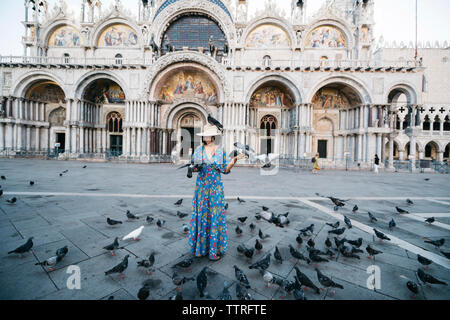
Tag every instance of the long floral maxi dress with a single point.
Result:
(208, 231)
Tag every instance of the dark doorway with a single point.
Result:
(61, 140)
(115, 145)
(322, 148)
(266, 146)
(195, 142)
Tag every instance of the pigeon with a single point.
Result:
(184, 263)
(12, 200)
(131, 216)
(372, 217)
(428, 278)
(339, 243)
(202, 281)
(3, 178)
(243, 147)
(65, 171)
(348, 222)
(423, 261)
(252, 227)
(355, 208)
(381, 235)
(240, 200)
(149, 219)
(262, 264)
(181, 215)
(305, 281)
(31, 183)
(225, 295)
(337, 231)
(160, 223)
(315, 251)
(328, 243)
(143, 293)
(1, 191)
(267, 277)
(178, 203)
(241, 293)
(348, 252)
(113, 246)
(61, 252)
(258, 245)
(112, 222)
(446, 254)
(179, 281)
(185, 228)
(242, 219)
(258, 217)
(329, 253)
(316, 258)
(60, 174)
(249, 253)
(84, 167)
(408, 201)
(430, 220)
(147, 263)
(297, 255)
(241, 277)
(400, 210)
(298, 292)
(214, 122)
(263, 236)
(357, 243)
(134, 234)
(299, 240)
(335, 225)
(412, 286)
(372, 252)
(327, 282)
(241, 248)
(238, 231)
(277, 255)
(119, 268)
(265, 208)
(111, 298)
(50, 262)
(266, 215)
(311, 243)
(308, 229)
(427, 179)
(226, 206)
(392, 224)
(23, 248)
(436, 243)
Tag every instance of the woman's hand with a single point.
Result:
(239, 157)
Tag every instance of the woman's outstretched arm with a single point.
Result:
(233, 162)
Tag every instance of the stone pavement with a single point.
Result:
(71, 210)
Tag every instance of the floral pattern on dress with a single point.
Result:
(208, 228)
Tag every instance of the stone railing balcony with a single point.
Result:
(115, 62)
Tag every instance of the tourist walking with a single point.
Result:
(376, 163)
(315, 162)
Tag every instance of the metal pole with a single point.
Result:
(415, 55)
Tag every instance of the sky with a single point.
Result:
(395, 19)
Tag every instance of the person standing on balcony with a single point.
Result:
(376, 164)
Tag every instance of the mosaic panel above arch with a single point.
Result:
(46, 91)
(104, 91)
(326, 37)
(267, 36)
(329, 98)
(118, 35)
(65, 36)
(271, 96)
(185, 84)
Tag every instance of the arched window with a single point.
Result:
(268, 123)
(119, 58)
(323, 61)
(447, 124)
(436, 124)
(114, 122)
(267, 61)
(66, 58)
(426, 124)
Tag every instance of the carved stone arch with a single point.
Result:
(180, 7)
(403, 87)
(326, 118)
(279, 22)
(57, 116)
(275, 77)
(357, 85)
(109, 21)
(49, 29)
(336, 22)
(169, 115)
(440, 145)
(80, 86)
(189, 57)
(24, 83)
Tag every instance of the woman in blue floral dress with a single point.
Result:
(208, 230)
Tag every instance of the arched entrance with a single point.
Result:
(115, 133)
(267, 136)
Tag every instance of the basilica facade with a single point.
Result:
(102, 83)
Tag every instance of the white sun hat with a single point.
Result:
(209, 130)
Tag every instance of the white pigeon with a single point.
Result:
(134, 234)
(266, 215)
(267, 276)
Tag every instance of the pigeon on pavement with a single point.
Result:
(428, 278)
(23, 248)
(202, 281)
(112, 222)
(134, 234)
(225, 295)
(305, 281)
(113, 246)
(120, 268)
(131, 216)
(262, 264)
(381, 235)
(372, 252)
(241, 277)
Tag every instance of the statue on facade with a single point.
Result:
(168, 46)
(211, 46)
(226, 49)
(153, 45)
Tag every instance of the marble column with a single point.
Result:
(2, 136)
(28, 139)
(133, 141)
(104, 142)
(37, 144)
(139, 142)
(81, 148)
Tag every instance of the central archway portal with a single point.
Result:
(190, 122)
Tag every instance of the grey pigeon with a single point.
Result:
(412, 286)
(327, 282)
(241, 248)
(241, 277)
(299, 240)
(428, 278)
(263, 236)
(430, 220)
(24, 248)
(242, 293)
(242, 219)
(381, 235)
(258, 245)
(297, 255)
(249, 253)
(179, 280)
(179, 202)
(61, 252)
(372, 217)
(372, 252)
(298, 292)
(337, 231)
(149, 219)
(214, 122)
(357, 243)
(202, 281)
(31, 183)
(238, 230)
(400, 210)
(121, 267)
(113, 246)
(392, 224)
(436, 243)
(160, 223)
(252, 227)
(305, 281)
(277, 255)
(12, 200)
(335, 225)
(328, 243)
(348, 252)
(240, 200)
(181, 215)
(355, 208)
(51, 262)
(311, 243)
(184, 263)
(423, 261)
(143, 293)
(225, 295)
(408, 201)
(348, 222)
(262, 264)
(131, 216)
(112, 222)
